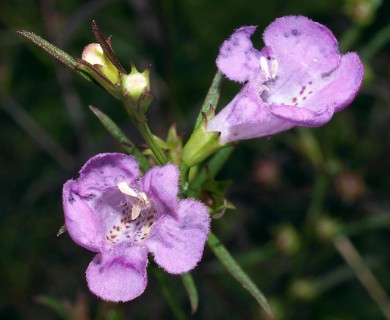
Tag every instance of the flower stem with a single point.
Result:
(145, 132)
(189, 285)
(348, 251)
(235, 270)
(169, 294)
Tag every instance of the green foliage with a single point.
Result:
(317, 182)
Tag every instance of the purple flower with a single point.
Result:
(110, 210)
(298, 79)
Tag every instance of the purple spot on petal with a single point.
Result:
(295, 32)
(89, 196)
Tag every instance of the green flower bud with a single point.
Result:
(327, 228)
(93, 54)
(287, 239)
(302, 289)
(136, 84)
(136, 93)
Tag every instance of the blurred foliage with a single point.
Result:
(293, 194)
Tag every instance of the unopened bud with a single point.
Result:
(136, 83)
(287, 240)
(349, 186)
(93, 54)
(303, 290)
(327, 228)
(267, 172)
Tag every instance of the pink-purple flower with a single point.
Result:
(299, 78)
(113, 211)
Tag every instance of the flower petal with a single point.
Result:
(237, 58)
(302, 116)
(338, 90)
(82, 197)
(343, 84)
(118, 275)
(162, 184)
(177, 244)
(80, 219)
(107, 170)
(299, 41)
(305, 51)
(246, 117)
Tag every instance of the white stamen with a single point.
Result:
(269, 73)
(136, 210)
(125, 189)
(140, 202)
(261, 89)
(264, 67)
(143, 198)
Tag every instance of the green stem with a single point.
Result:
(145, 132)
(236, 271)
(348, 251)
(169, 294)
(184, 178)
(189, 285)
(320, 189)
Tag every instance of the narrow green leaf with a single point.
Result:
(235, 270)
(189, 284)
(53, 51)
(211, 99)
(54, 305)
(168, 293)
(125, 143)
(369, 222)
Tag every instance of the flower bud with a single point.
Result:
(267, 172)
(93, 54)
(349, 186)
(136, 92)
(303, 290)
(362, 12)
(287, 240)
(327, 228)
(136, 83)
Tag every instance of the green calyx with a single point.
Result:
(201, 145)
(136, 92)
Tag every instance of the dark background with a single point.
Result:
(293, 193)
